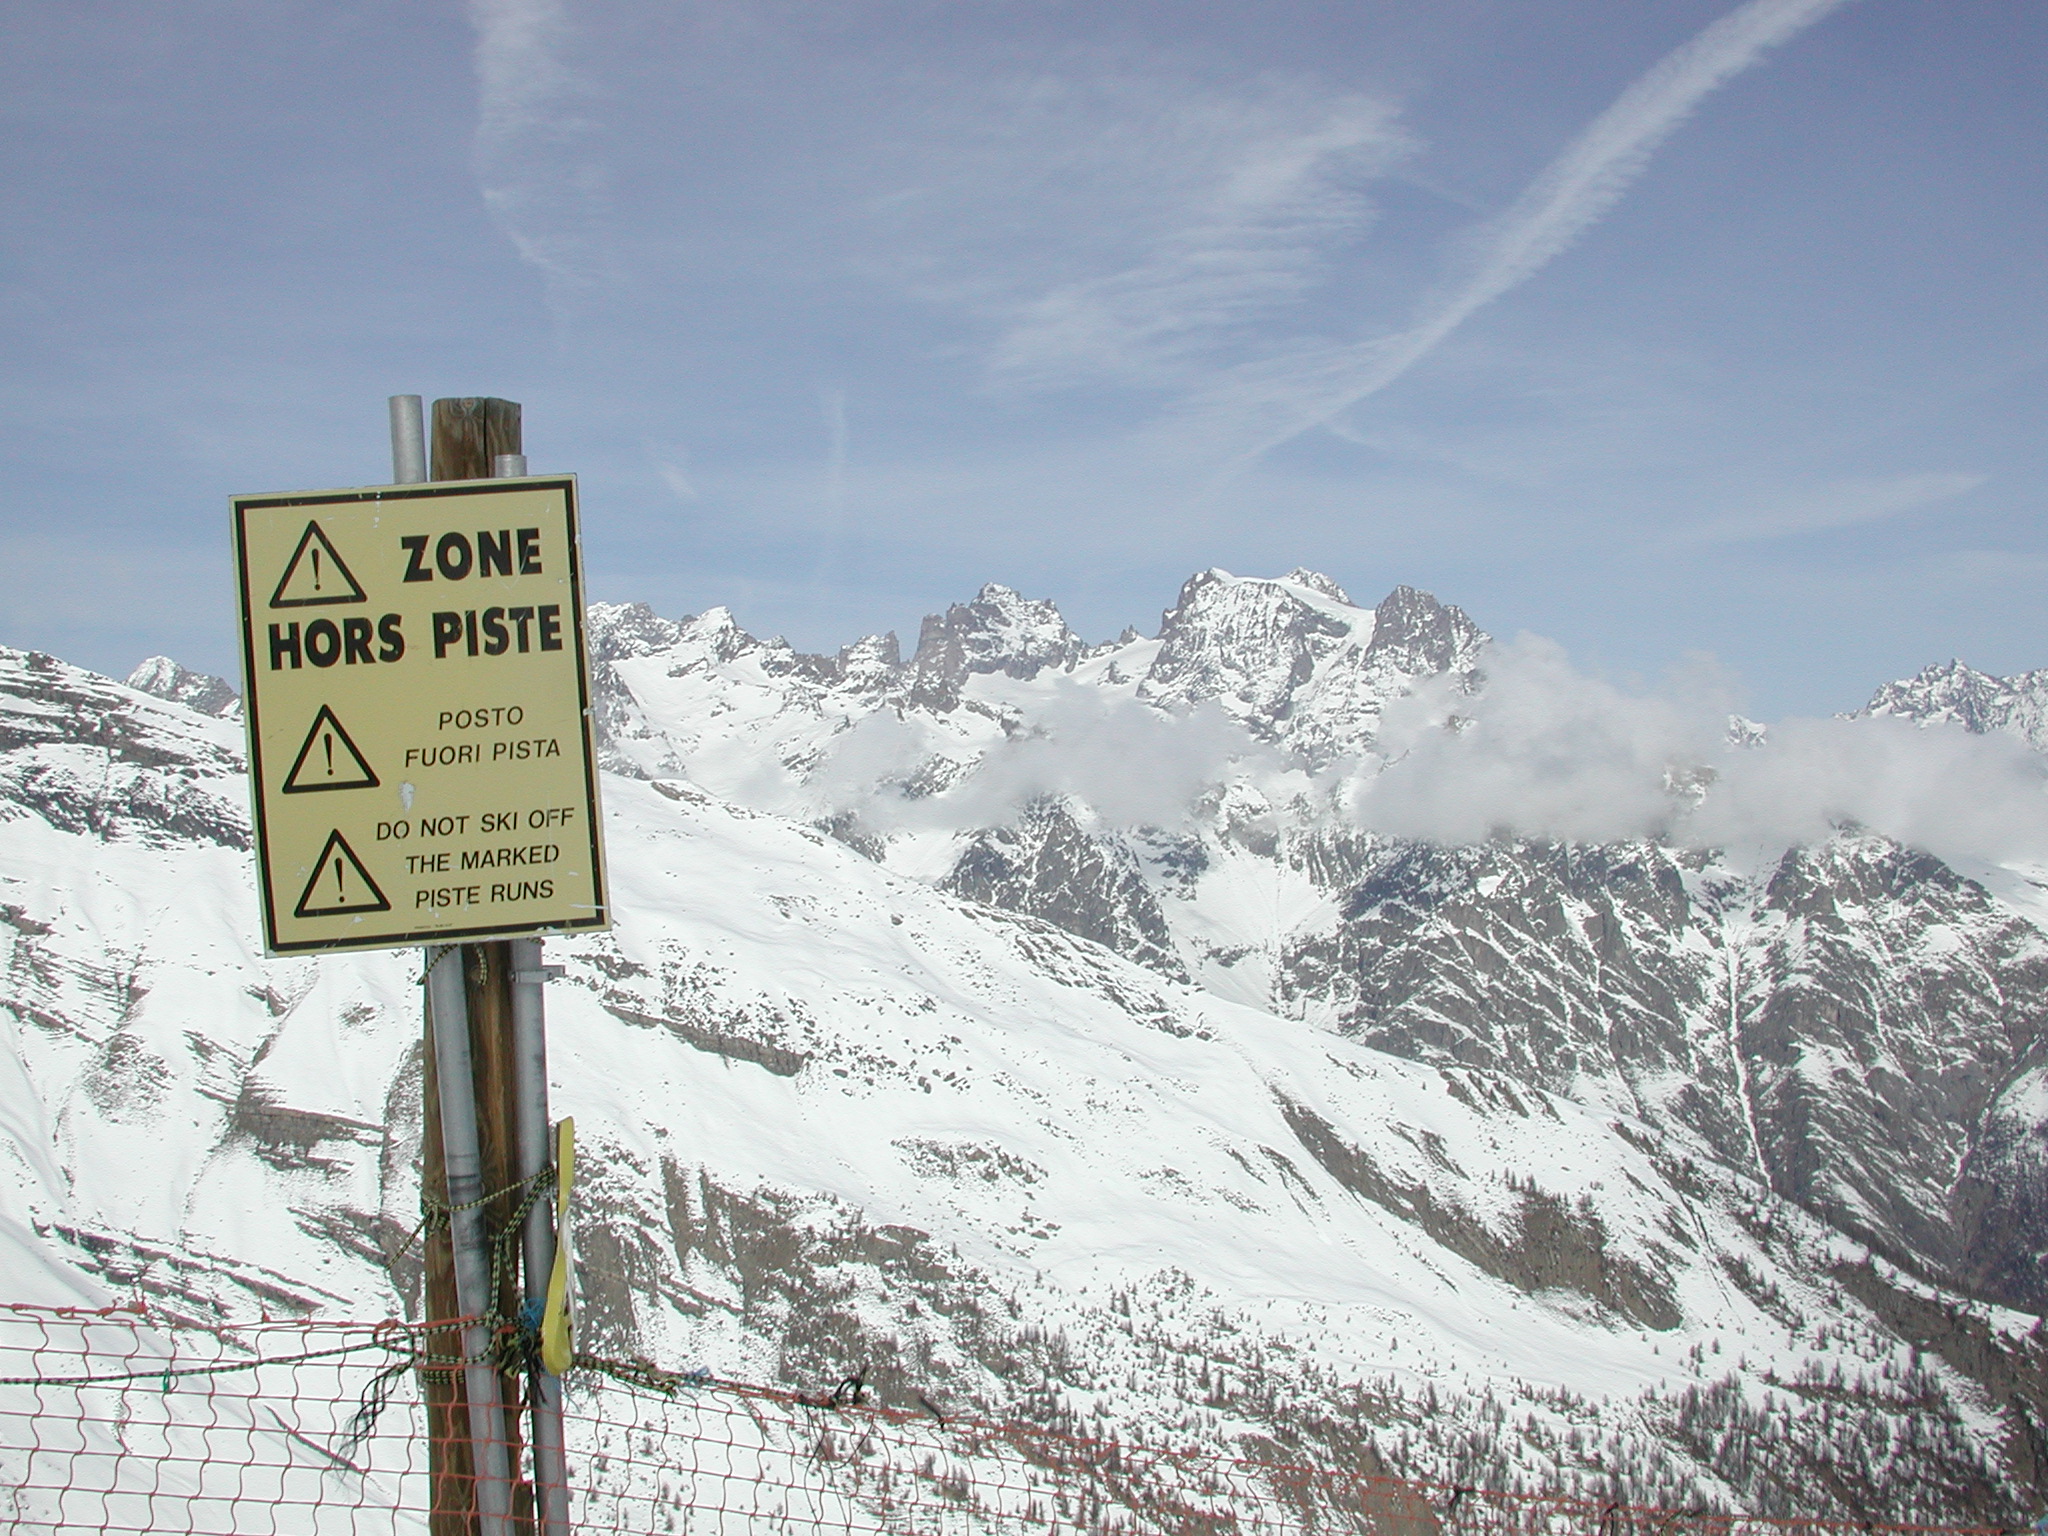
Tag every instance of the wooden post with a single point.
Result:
(467, 436)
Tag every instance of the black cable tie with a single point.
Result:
(847, 1393)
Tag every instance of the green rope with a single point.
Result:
(165, 1374)
(512, 1347)
(642, 1374)
(436, 1215)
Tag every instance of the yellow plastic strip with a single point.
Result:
(557, 1322)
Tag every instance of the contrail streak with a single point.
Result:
(1295, 394)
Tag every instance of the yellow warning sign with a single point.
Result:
(418, 703)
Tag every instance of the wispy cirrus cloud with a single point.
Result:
(1266, 404)
(1842, 504)
(1269, 184)
(1080, 218)
(544, 193)
(1107, 219)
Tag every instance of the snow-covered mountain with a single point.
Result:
(1977, 701)
(1009, 1019)
(163, 678)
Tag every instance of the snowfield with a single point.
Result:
(1481, 1164)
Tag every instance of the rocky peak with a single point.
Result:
(871, 663)
(718, 633)
(162, 678)
(1420, 636)
(1977, 701)
(999, 631)
(1245, 641)
(1317, 582)
(620, 630)
(1297, 661)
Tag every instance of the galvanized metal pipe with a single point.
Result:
(448, 1003)
(408, 441)
(530, 1085)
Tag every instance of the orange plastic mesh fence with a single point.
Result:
(131, 1420)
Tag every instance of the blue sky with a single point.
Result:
(1655, 327)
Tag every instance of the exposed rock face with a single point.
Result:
(1975, 700)
(1548, 1247)
(619, 632)
(1414, 635)
(1590, 972)
(871, 664)
(1252, 644)
(1843, 1027)
(2002, 1191)
(998, 632)
(1893, 1003)
(91, 756)
(1048, 866)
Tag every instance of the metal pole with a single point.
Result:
(408, 441)
(448, 1004)
(530, 1079)
(532, 1149)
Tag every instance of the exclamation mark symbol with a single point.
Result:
(340, 895)
(316, 569)
(327, 741)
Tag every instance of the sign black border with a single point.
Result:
(242, 505)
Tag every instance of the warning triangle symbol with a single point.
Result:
(339, 884)
(316, 576)
(328, 760)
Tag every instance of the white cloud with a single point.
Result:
(832, 405)
(519, 72)
(1538, 749)
(1131, 764)
(1545, 751)
(676, 477)
(1542, 750)
(1935, 787)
